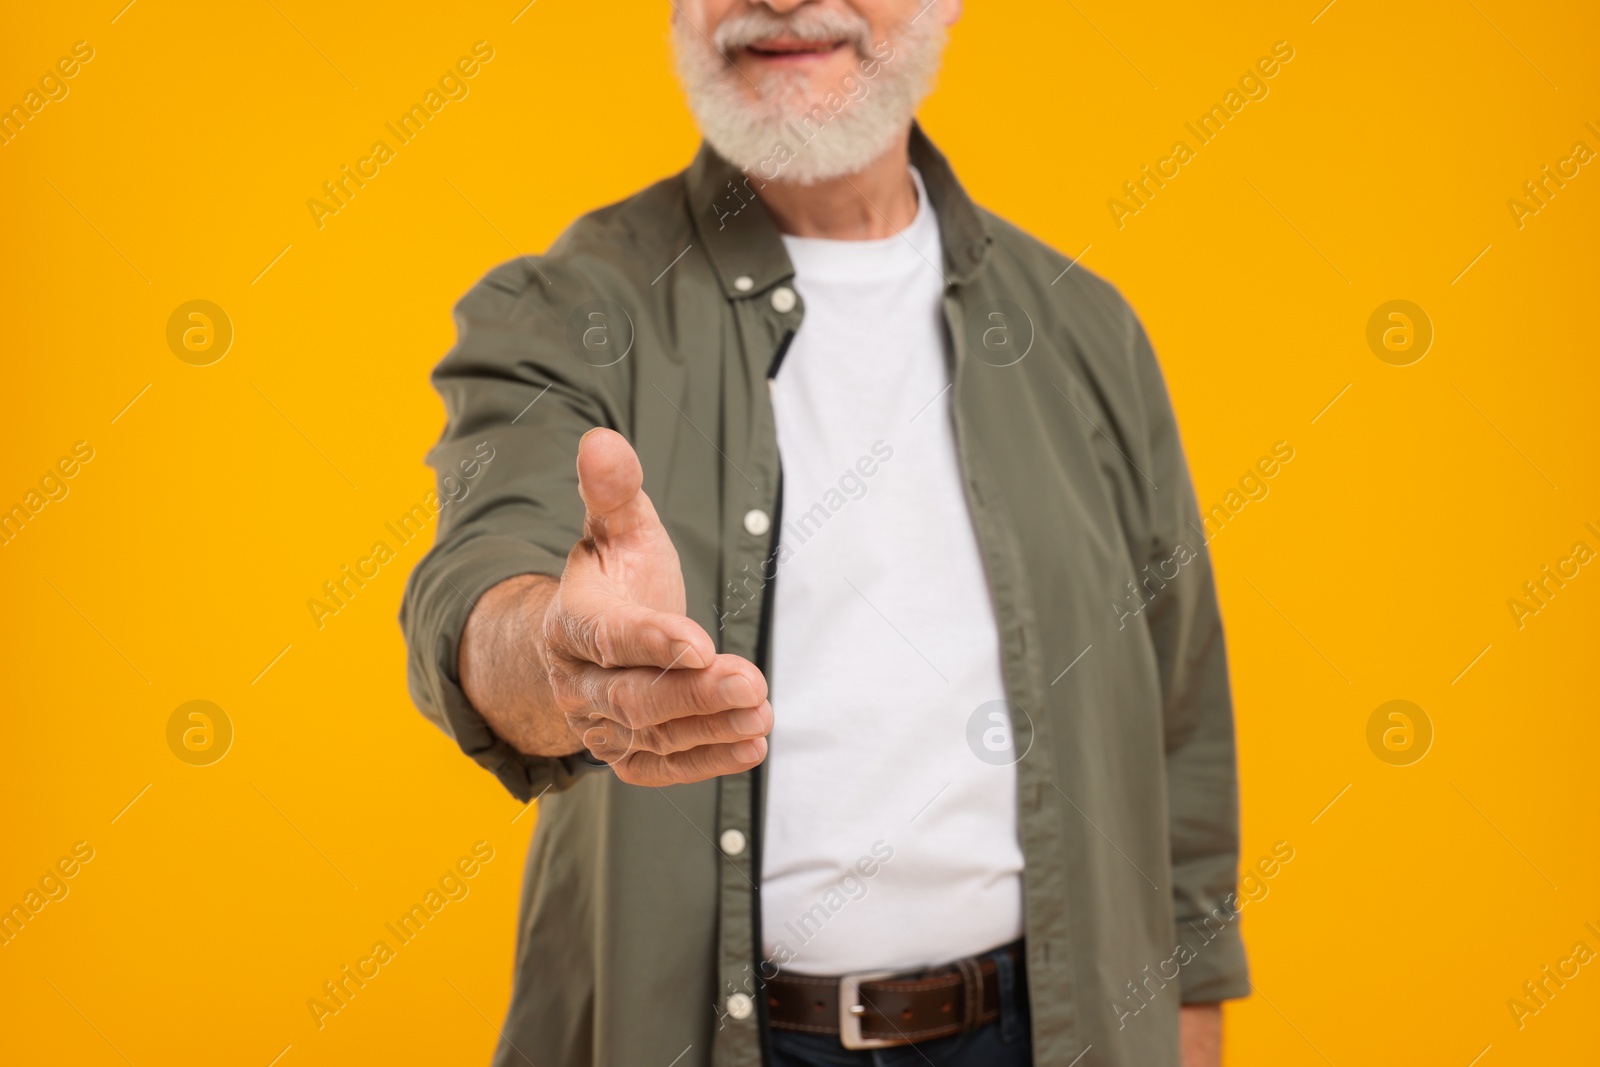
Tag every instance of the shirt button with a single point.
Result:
(744, 283)
(757, 522)
(733, 842)
(783, 299)
(740, 1006)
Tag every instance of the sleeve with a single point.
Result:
(516, 403)
(1202, 779)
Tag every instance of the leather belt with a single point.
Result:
(883, 1009)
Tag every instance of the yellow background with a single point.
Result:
(1378, 568)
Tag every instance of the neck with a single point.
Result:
(875, 202)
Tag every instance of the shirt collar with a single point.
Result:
(742, 241)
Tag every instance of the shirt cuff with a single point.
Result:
(441, 594)
(1217, 969)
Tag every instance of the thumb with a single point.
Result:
(611, 483)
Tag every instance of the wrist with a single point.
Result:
(540, 616)
(537, 598)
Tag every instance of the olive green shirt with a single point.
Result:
(662, 317)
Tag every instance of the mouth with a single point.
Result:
(792, 49)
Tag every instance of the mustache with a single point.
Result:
(806, 24)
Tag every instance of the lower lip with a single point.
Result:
(792, 58)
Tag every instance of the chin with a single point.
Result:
(804, 121)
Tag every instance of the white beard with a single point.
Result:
(787, 135)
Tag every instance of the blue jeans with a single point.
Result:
(1006, 1042)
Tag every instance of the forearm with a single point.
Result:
(503, 669)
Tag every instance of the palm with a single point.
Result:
(639, 565)
(626, 557)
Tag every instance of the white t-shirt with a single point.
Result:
(889, 843)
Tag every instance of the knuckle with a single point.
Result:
(611, 640)
(593, 733)
(553, 626)
(673, 766)
(617, 695)
(625, 740)
(703, 695)
(564, 690)
(687, 766)
(636, 771)
(603, 640)
(576, 634)
(652, 739)
(563, 631)
(709, 729)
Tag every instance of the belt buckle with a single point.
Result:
(851, 1009)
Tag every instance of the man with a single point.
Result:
(867, 663)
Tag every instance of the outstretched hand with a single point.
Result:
(640, 683)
